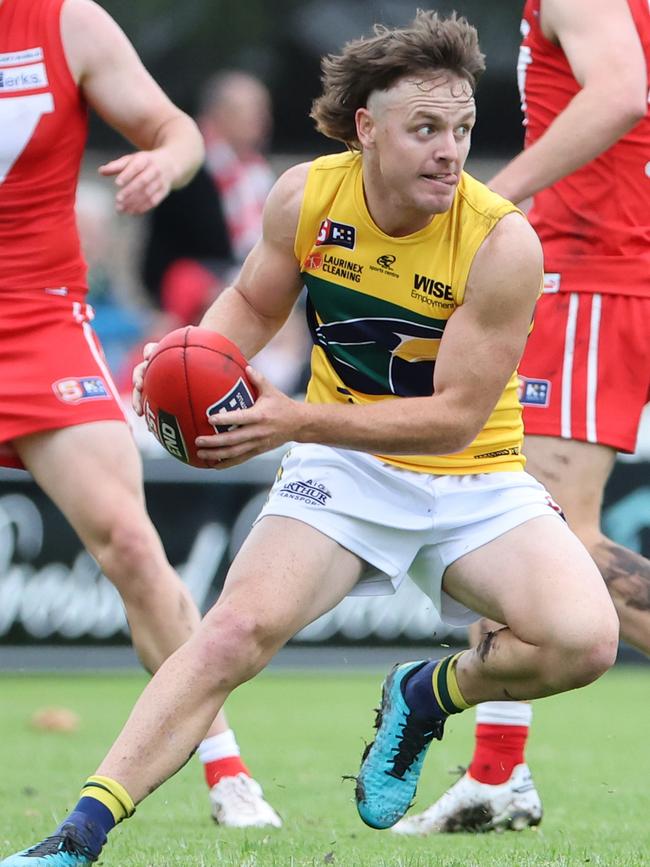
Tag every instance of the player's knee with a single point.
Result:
(238, 644)
(602, 656)
(128, 551)
(593, 661)
(587, 653)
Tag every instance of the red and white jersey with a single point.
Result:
(43, 128)
(595, 223)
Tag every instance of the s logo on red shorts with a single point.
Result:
(85, 388)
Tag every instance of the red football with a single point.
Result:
(193, 373)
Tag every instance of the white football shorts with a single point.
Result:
(402, 522)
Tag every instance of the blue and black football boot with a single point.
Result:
(67, 847)
(390, 767)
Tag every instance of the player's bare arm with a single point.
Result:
(603, 48)
(119, 88)
(482, 344)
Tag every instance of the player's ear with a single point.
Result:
(366, 128)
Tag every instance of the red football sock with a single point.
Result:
(228, 767)
(498, 749)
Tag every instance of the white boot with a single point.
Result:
(476, 807)
(238, 802)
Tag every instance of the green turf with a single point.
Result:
(300, 734)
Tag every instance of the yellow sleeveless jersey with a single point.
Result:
(377, 305)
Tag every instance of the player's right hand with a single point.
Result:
(143, 179)
(138, 377)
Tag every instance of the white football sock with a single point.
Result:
(504, 713)
(218, 747)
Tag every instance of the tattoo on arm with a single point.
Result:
(626, 573)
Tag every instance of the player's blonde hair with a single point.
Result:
(429, 44)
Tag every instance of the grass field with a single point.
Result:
(300, 734)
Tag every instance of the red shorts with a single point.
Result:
(585, 373)
(52, 369)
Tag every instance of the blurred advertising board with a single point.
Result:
(51, 591)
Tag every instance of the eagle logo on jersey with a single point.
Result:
(381, 355)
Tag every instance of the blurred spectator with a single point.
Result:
(200, 235)
(188, 226)
(235, 117)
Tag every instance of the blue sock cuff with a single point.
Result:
(419, 694)
(93, 821)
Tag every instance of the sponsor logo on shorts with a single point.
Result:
(336, 234)
(534, 392)
(239, 397)
(23, 77)
(552, 283)
(84, 388)
(308, 491)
